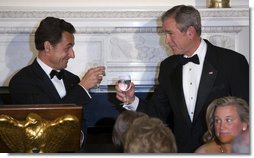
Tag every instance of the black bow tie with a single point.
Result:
(59, 74)
(193, 59)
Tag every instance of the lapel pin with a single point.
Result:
(210, 73)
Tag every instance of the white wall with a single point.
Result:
(94, 3)
(121, 34)
(111, 3)
(124, 41)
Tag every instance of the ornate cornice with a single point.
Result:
(232, 12)
(90, 30)
(222, 29)
(227, 13)
(108, 30)
(16, 30)
(115, 21)
(80, 14)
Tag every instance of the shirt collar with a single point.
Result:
(201, 51)
(45, 67)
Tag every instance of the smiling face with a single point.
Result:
(59, 54)
(227, 123)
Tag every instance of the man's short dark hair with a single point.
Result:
(51, 29)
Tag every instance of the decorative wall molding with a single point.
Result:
(108, 30)
(222, 29)
(224, 13)
(80, 14)
(125, 41)
(114, 14)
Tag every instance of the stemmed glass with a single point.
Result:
(124, 83)
(97, 64)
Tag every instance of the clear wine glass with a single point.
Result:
(124, 83)
(96, 64)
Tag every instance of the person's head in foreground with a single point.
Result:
(123, 122)
(149, 135)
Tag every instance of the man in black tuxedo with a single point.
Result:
(46, 81)
(189, 80)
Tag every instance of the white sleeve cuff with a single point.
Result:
(133, 106)
(86, 91)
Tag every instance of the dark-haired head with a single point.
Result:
(51, 29)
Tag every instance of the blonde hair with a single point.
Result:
(123, 121)
(149, 135)
(242, 110)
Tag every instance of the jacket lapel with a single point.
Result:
(177, 86)
(44, 82)
(206, 84)
(68, 83)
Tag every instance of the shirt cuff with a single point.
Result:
(133, 106)
(86, 91)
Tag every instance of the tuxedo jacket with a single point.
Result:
(31, 85)
(1, 102)
(224, 73)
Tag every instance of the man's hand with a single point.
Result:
(125, 96)
(93, 77)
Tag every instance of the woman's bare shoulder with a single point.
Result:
(210, 147)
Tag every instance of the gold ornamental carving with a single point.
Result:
(219, 4)
(36, 134)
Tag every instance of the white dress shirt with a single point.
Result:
(191, 78)
(59, 84)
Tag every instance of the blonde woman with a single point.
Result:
(227, 118)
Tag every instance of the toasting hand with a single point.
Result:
(93, 77)
(125, 96)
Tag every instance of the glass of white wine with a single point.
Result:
(124, 83)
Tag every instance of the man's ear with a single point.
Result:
(191, 32)
(47, 46)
